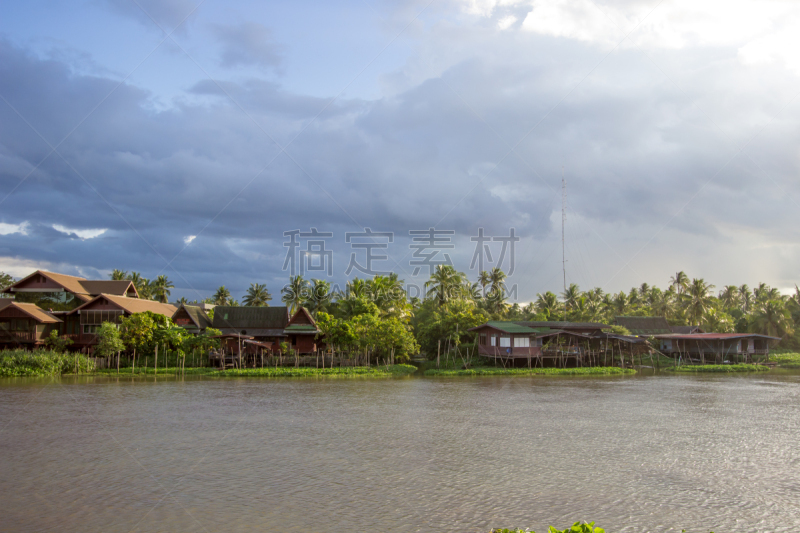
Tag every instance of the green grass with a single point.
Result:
(786, 359)
(281, 371)
(494, 371)
(740, 367)
(18, 363)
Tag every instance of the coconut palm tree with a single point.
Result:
(296, 293)
(680, 281)
(772, 318)
(161, 288)
(571, 295)
(119, 275)
(547, 303)
(484, 279)
(745, 297)
(257, 295)
(698, 299)
(498, 280)
(222, 296)
(619, 303)
(445, 283)
(729, 296)
(321, 296)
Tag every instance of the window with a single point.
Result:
(494, 340)
(90, 329)
(522, 342)
(483, 339)
(505, 342)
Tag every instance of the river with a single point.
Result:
(636, 454)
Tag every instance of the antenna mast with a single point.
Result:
(563, 223)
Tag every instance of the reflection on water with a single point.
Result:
(455, 455)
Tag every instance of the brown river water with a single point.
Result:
(635, 454)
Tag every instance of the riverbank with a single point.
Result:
(739, 367)
(281, 371)
(495, 371)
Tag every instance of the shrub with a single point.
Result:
(42, 363)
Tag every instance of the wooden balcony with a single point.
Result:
(18, 336)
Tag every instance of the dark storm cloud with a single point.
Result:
(248, 43)
(480, 145)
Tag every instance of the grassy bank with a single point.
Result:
(17, 363)
(786, 359)
(740, 367)
(494, 371)
(281, 371)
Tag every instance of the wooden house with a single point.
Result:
(192, 318)
(81, 324)
(269, 325)
(60, 293)
(715, 347)
(301, 332)
(25, 325)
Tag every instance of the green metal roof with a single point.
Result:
(250, 317)
(301, 328)
(511, 327)
(644, 325)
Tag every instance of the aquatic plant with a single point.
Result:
(577, 527)
(739, 367)
(495, 371)
(281, 371)
(15, 363)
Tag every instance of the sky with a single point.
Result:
(191, 138)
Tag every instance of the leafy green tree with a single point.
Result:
(137, 330)
(257, 295)
(119, 275)
(109, 341)
(57, 343)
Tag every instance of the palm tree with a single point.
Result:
(119, 275)
(296, 293)
(547, 303)
(746, 297)
(729, 296)
(142, 284)
(498, 280)
(321, 296)
(772, 318)
(571, 296)
(644, 291)
(484, 279)
(257, 295)
(161, 288)
(222, 296)
(680, 281)
(445, 283)
(619, 303)
(698, 299)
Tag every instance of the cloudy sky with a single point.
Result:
(185, 137)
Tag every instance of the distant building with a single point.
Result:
(644, 326)
(60, 292)
(271, 325)
(192, 318)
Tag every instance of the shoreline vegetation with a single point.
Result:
(499, 371)
(43, 363)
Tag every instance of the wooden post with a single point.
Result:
(438, 346)
(155, 370)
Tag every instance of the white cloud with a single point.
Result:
(82, 233)
(761, 31)
(8, 229)
(189, 239)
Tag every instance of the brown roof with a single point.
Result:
(32, 310)
(83, 288)
(133, 305)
